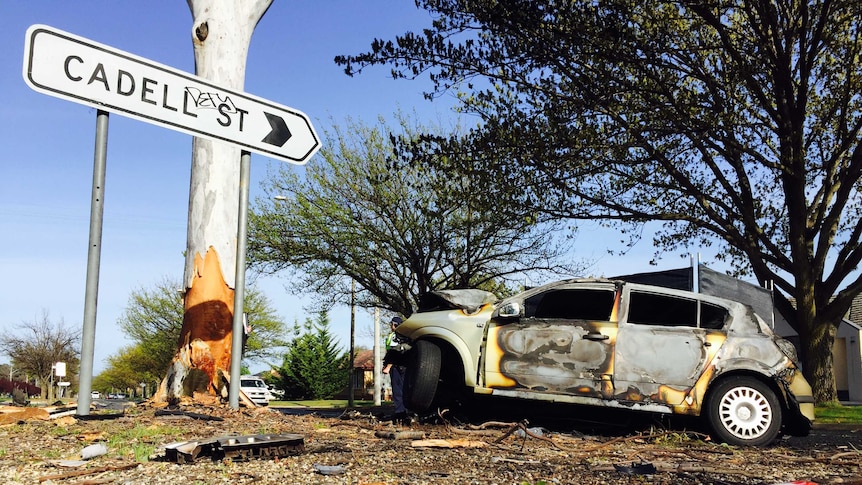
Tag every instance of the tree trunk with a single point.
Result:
(221, 35)
(817, 362)
(816, 324)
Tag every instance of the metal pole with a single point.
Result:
(91, 295)
(239, 291)
(378, 361)
(352, 340)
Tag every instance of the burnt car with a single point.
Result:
(616, 344)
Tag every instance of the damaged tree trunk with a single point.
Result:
(221, 35)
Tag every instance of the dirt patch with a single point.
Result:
(360, 447)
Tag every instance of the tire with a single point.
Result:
(423, 374)
(744, 411)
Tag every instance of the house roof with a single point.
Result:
(364, 359)
(855, 313)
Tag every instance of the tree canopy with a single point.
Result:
(314, 367)
(399, 230)
(128, 368)
(734, 123)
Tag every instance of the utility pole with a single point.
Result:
(352, 339)
(378, 363)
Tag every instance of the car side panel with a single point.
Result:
(550, 356)
(661, 364)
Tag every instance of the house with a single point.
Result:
(846, 350)
(362, 376)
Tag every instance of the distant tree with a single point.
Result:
(36, 346)
(153, 319)
(7, 370)
(398, 230)
(314, 366)
(734, 123)
(127, 368)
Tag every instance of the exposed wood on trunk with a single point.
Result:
(205, 339)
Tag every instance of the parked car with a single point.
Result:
(95, 395)
(256, 390)
(611, 343)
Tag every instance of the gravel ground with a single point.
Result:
(361, 448)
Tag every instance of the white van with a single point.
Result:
(256, 390)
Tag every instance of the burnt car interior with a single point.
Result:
(572, 303)
(672, 311)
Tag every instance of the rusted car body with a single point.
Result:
(615, 344)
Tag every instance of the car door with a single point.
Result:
(664, 345)
(563, 343)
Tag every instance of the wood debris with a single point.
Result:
(400, 435)
(441, 443)
(15, 414)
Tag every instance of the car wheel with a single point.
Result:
(423, 374)
(744, 411)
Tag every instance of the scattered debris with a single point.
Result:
(180, 414)
(329, 469)
(65, 421)
(89, 471)
(400, 435)
(62, 411)
(636, 469)
(500, 459)
(87, 453)
(438, 443)
(94, 450)
(16, 414)
(237, 448)
(534, 432)
(92, 436)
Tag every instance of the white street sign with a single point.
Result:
(66, 66)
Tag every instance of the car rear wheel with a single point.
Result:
(423, 374)
(744, 411)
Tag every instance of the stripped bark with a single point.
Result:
(205, 339)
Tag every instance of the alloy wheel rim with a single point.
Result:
(745, 413)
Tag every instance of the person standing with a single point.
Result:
(395, 364)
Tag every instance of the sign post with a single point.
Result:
(66, 66)
(76, 69)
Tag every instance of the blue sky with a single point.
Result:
(47, 161)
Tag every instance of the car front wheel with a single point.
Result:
(744, 411)
(423, 374)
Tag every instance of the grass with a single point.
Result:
(838, 414)
(140, 441)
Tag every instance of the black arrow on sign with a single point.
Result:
(279, 134)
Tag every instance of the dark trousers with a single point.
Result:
(396, 375)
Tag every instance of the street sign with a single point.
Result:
(66, 66)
